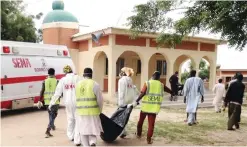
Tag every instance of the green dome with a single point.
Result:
(59, 14)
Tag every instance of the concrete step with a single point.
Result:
(181, 100)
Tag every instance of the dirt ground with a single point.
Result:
(27, 128)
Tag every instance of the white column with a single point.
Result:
(145, 71)
(147, 42)
(111, 77)
(212, 77)
(112, 39)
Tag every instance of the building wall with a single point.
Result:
(131, 51)
(74, 53)
(227, 75)
(60, 36)
(86, 53)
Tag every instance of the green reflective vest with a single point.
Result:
(50, 87)
(86, 102)
(152, 101)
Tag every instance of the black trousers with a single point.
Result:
(52, 116)
(234, 112)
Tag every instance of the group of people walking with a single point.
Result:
(232, 96)
(84, 102)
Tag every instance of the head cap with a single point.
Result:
(67, 69)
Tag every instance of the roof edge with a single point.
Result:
(233, 69)
(124, 31)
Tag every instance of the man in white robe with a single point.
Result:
(88, 122)
(193, 91)
(126, 90)
(219, 90)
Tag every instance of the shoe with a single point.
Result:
(195, 123)
(123, 136)
(78, 144)
(230, 129)
(93, 144)
(48, 134)
(237, 126)
(189, 124)
(149, 141)
(137, 136)
(53, 128)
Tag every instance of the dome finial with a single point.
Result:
(58, 5)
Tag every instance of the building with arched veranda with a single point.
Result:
(117, 50)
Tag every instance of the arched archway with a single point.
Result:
(183, 64)
(100, 68)
(158, 62)
(129, 59)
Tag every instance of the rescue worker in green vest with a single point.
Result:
(89, 103)
(47, 91)
(152, 96)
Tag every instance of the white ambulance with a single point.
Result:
(24, 67)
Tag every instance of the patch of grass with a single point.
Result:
(179, 132)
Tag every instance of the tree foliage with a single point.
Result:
(203, 73)
(16, 25)
(228, 18)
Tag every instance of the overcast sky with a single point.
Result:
(99, 14)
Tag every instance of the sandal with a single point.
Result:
(150, 141)
(137, 135)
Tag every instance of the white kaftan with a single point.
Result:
(127, 91)
(219, 90)
(90, 126)
(193, 91)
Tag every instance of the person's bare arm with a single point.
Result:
(168, 90)
(142, 94)
(42, 92)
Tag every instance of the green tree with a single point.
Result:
(203, 73)
(227, 18)
(16, 25)
(184, 76)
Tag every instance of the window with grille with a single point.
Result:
(161, 66)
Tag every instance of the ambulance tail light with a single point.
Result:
(65, 53)
(6, 49)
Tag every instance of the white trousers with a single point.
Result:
(71, 120)
(191, 118)
(88, 140)
(217, 108)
